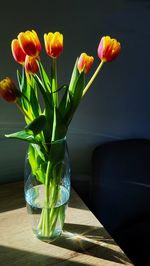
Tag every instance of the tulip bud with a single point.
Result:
(31, 65)
(85, 62)
(108, 49)
(53, 44)
(8, 90)
(29, 43)
(17, 52)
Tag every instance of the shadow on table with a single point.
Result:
(11, 196)
(93, 241)
(14, 257)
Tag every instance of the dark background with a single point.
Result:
(117, 105)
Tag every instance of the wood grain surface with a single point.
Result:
(83, 242)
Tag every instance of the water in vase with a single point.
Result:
(47, 223)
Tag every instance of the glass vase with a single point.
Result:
(47, 187)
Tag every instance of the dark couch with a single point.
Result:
(120, 192)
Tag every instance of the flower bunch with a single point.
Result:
(57, 113)
(49, 123)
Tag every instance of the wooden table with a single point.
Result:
(84, 241)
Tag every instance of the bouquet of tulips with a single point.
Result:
(48, 123)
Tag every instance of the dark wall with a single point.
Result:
(117, 105)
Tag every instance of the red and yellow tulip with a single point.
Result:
(17, 52)
(53, 44)
(108, 49)
(8, 90)
(29, 43)
(85, 62)
(31, 65)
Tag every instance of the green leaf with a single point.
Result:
(49, 107)
(54, 82)
(64, 105)
(61, 127)
(46, 95)
(39, 150)
(37, 124)
(41, 172)
(57, 151)
(23, 83)
(38, 166)
(44, 77)
(23, 135)
(74, 78)
(31, 158)
(25, 89)
(66, 102)
(75, 99)
(58, 170)
(33, 99)
(19, 77)
(64, 86)
(78, 90)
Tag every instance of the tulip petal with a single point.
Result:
(108, 49)
(29, 43)
(31, 65)
(17, 52)
(8, 90)
(53, 44)
(85, 62)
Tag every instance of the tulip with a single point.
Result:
(53, 44)
(108, 49)
(29, 43)
(17, 52)
(85, 62)
(8, 90)
(31, 65)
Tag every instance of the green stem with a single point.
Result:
(47, 198)
(93, 77)
(41, 220)
(51, 213)
(23, 112)
(54, 82)
(54, 124)
(54, 219)
(25, 97)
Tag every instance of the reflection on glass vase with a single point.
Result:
(47, 187)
